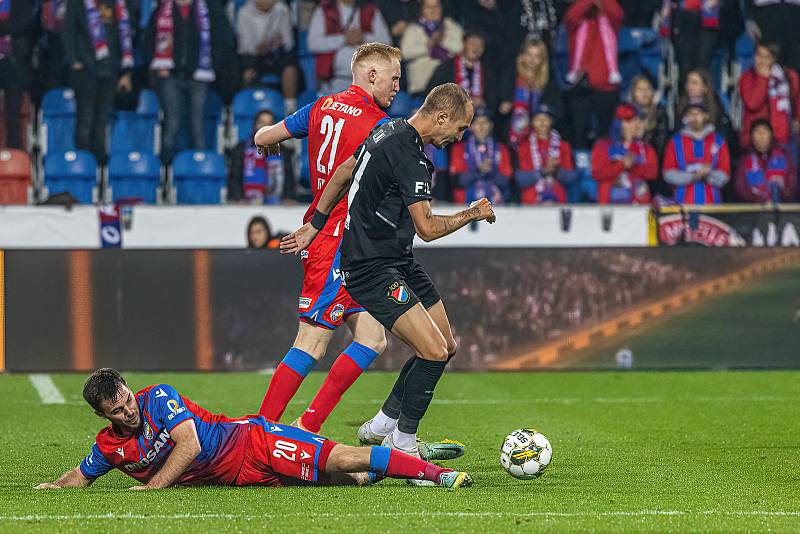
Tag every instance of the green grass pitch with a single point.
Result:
(650, 452)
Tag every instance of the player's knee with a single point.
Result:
(375, 341)
(435, 352)
(452, 348)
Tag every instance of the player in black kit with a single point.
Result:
(389, 180)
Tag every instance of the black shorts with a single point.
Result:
(388, 290)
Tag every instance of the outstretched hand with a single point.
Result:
(298, 240)
(47, 485)
(486, 211)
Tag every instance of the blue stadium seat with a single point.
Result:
(199, 177)
(401, 105)
(213, 126)
(584, 185)
(73, 172)
(309, 67)
(57, 120)
(561, 57)
(247, 103)
(134, 175)
(304, 176)
(639, 53)
(137, 131)
(439, 160)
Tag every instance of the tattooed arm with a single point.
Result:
(430, 226)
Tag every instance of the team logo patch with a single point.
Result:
(303, 254)
(398, 293)
(147, 431)
(337, 312)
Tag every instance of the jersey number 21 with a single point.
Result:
(329, 129)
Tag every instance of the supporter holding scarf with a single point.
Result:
(164, 50)
(765, 172)
(622, 163)
(480, 165)
(97, 31)
(545, 162)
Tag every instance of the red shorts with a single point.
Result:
(279, 455)
(323, 300)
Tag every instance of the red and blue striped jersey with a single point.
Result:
(335, 125)
(685, 153)
(223, 441)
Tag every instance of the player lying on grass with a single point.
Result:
(161, 438)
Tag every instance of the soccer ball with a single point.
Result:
(525, 453)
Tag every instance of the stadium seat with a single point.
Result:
(134, 175)
(15, 177)
(745, 52)
(57, 120)
(584, 185)
(73, 172)
(213, 126)
(137, 131)
(25, 122)
(199, 177)
(560, 57)
(304, 177)
(639, 53)
(402, 105)
(308, 65)
(247, 103)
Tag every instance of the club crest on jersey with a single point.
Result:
(147, 431)
(337, 312)
(398, 293)
(331, 104)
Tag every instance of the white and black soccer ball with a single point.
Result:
(525, 453)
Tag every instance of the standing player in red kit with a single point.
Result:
(335, 125)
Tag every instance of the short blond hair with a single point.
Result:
(375, 51)
(446, 97)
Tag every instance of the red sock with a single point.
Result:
(344, 372)
(402, 465)
(284, 384)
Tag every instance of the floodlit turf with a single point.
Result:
(654, 452)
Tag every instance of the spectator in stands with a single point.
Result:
(531, 86)
(98, 42)
(428, 42)
(52, 72)
(776, 21)
(623, 163)
(765, 173)
(481, 165)
(259, 234)
(184, 40)
(699, 89)
(655, 123)
(256, 178)
(398, 14)
(337, 27)
(697, 160)
(545, 162)
(266, 46)
(694, 28)
(593, 69)
(15, 47)
(470, 72)
(770, 91)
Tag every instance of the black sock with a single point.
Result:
(391, 407)
(421, 382)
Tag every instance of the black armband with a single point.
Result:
(319, 219)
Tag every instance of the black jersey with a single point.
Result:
(391, 173)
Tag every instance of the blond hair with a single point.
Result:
(380, 51)
(446, 97)
(536, 78)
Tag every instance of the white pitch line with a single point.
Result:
(579, 400)
(46, 389)
(510, 515)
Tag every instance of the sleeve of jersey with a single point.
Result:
(167, 407)
(297, 123)
(95, 464)
(413, 177)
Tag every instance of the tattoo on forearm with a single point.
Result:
(447, 224)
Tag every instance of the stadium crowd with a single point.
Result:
(608, 101)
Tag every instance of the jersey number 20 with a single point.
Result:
(329, 129)
(285, 449)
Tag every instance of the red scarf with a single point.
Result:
(165, 41)
(553, 151)
(767, 172)
(472, 85)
